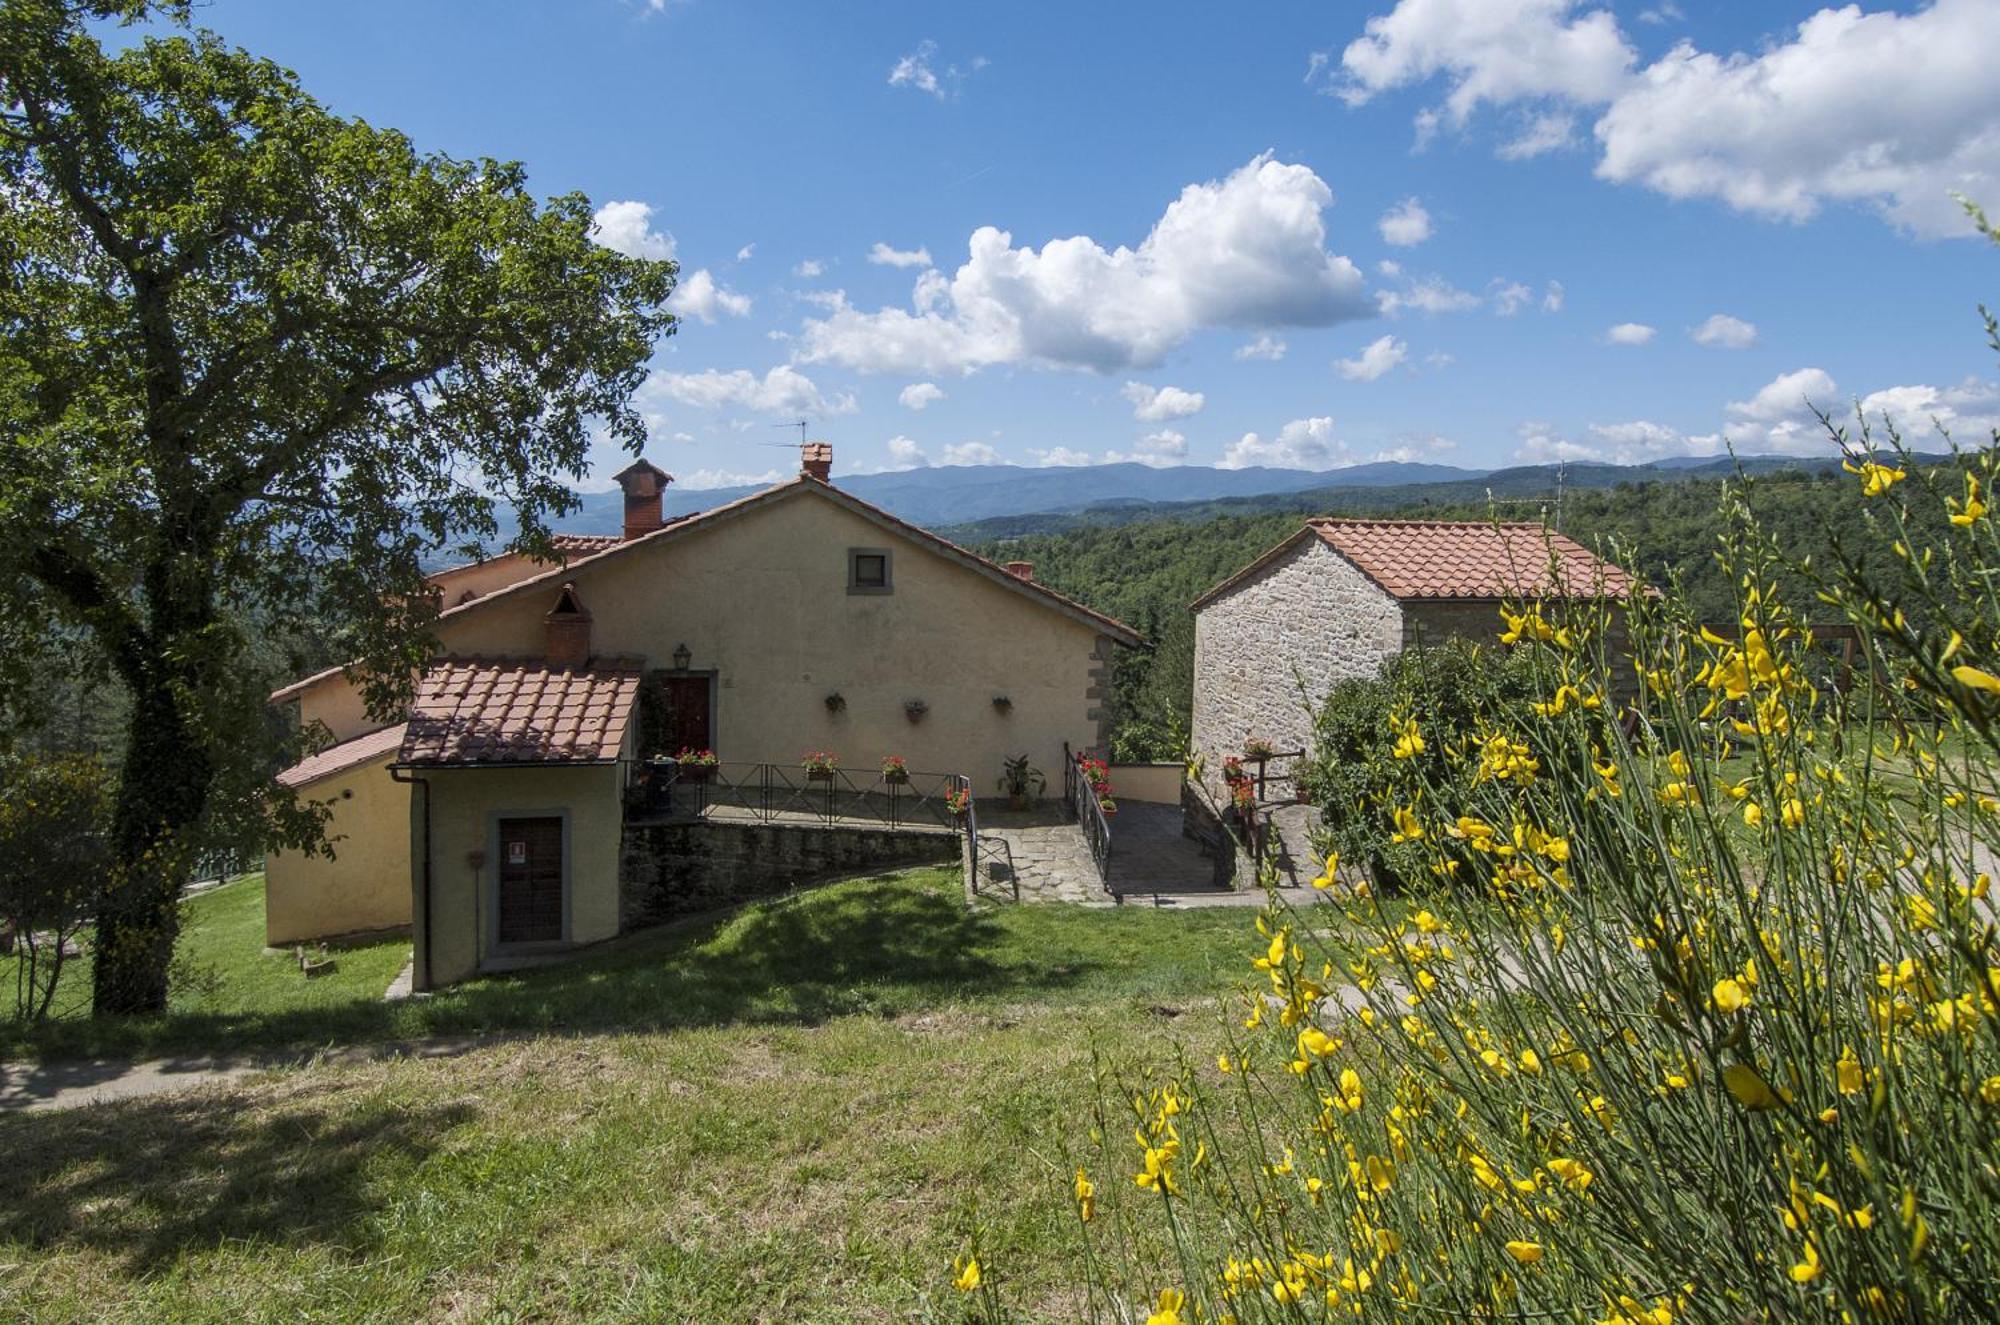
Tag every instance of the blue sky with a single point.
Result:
(1160, 232)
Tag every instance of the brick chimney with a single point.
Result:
(816, 461)
(1021, 570)
(568, 627)
(643, 483)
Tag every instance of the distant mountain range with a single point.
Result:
(992, 496)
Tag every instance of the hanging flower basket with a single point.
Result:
(820, 765)
(695, 765)
(958, 800)
(894, 771)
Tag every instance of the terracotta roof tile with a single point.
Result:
(520, 711)
(572, 545)
(350, 753)
(1467, 559)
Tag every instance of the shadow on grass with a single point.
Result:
(874, 945)
(151, 1179)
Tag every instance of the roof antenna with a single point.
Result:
(800, 425)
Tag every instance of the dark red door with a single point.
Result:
(531, 880)
(687, 725)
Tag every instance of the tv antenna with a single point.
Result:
(799, 424)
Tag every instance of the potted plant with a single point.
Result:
(1003, 703)
(894, 770)
(914, 709)
(835, 702)
(1097, 773)
(958, 800)
(1106, 806)
(820, 765)
(1021, 781)
(695, 765)
(1258, 748)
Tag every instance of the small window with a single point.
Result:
(867, 570)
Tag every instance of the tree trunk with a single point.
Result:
(161, 795)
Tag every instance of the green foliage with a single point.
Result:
(54, 851)
(258, 365)
(1355, 774)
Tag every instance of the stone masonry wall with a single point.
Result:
(675, 869)
(1273, 646)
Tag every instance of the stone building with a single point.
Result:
(1340, 597)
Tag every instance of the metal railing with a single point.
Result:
(1081, 799)
(780, 793)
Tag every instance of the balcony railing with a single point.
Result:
(786, 793)
(1081, 798)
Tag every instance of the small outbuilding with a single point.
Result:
(1340, 597)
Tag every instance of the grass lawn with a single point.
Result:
(223, 970)
(796, 1113)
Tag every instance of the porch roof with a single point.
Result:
(496, 711)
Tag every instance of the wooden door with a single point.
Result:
(687, 724)
(531, 880)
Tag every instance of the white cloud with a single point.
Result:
(1780, 416)
(884, 256)
(1496, 51)
(916, 71)
(919, 394)
(1724, 332)
(1158, 404)
(904, 453)
(744, 254)
(1439, 359)
(1245, 251)
(1552, 297)
(627, 228)
(1969, 412)
(1267, 347)
(783, 390)
(1667, 12)
(1428, 294)
(1548, 132)
(1162, 450)
(1629, 333)
(969, 453)
(1635, 443)
(1887, 109)
(1377, 358)
(1406, 224)
(1509, 297)
(701, 480)
(1300, 444)
(809, 269)
(1060, 457)
(699, 296)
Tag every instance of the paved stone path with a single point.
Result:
(1037, 855)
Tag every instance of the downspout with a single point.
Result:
(422, 978)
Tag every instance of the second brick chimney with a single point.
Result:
(643, 482)
(816, 461)
(1021, 570)
(568, 627)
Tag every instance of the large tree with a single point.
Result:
(257, 364)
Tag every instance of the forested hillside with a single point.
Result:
(1147, 572)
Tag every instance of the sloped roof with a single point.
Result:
(472, 711)
(350, 753)
(802, 483)
(570, 545)
(1456, 559)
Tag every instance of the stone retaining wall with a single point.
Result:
(675, 869)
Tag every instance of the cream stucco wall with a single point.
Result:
(466, 806)
(761, 599)
(366, 885)
(1158, 784)
(336, 702)
(1267, 651)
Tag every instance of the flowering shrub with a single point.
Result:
(1692, 1023)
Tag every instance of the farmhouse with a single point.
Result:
(496, 820)
(1340, 597)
